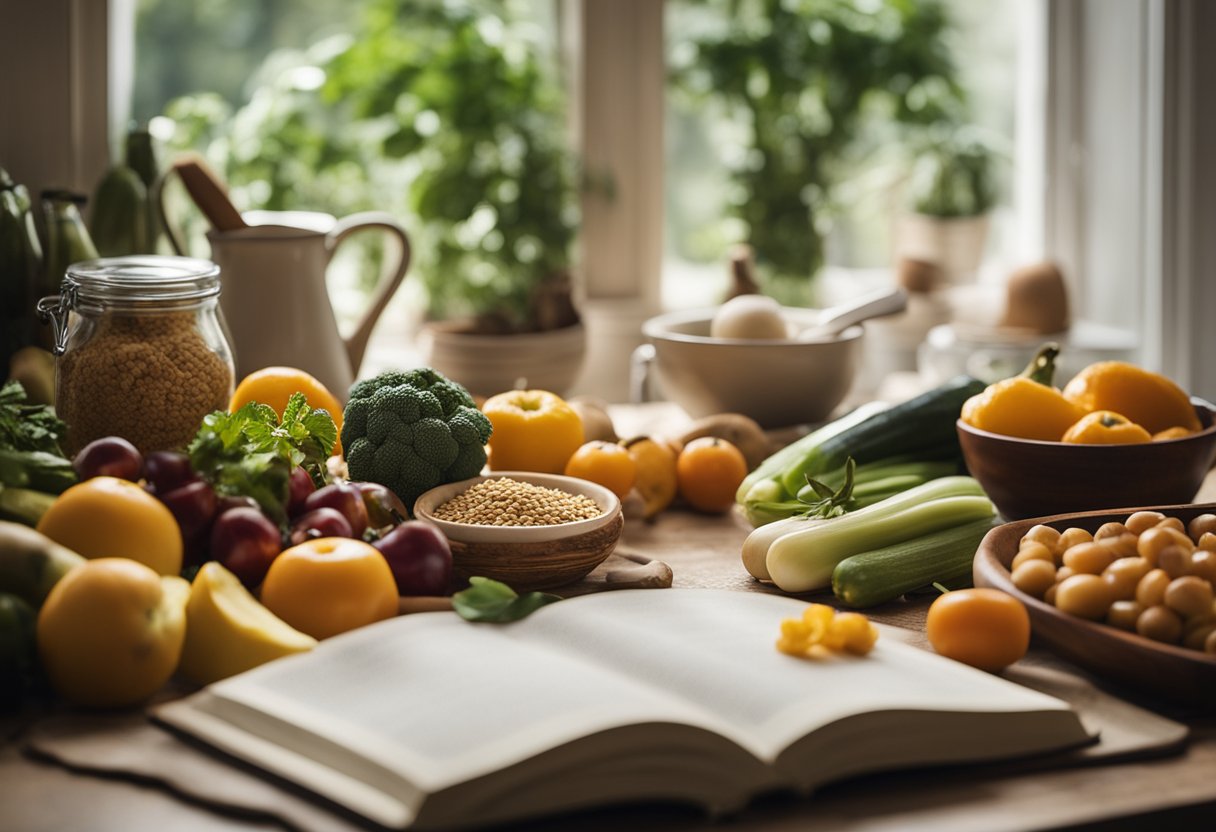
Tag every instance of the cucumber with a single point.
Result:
(881, 575)
(922, 425)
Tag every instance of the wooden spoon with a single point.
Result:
(208, 193)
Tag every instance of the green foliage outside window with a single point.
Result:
(804, 76)
(446, 114)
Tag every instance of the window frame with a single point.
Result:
(47, 139)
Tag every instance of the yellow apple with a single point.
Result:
(111, 631)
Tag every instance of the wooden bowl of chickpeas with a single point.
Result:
(1127, 594)
(528, 530)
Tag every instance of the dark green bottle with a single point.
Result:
(20, 269)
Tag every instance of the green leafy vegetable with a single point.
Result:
(30, 456)
(495, 602)
(252, 452)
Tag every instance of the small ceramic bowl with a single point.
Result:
(528, 557)
(1173, 672)
(1029, 478)
(778, 382)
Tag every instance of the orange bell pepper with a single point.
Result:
(1105, 427)
(1026, 406)
(534, 430)
(1146, 398)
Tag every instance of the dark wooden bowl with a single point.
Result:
(539, 565)
(1175, 673)
(1029, 478)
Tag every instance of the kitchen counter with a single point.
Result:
(1159, 792)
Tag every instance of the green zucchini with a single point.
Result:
(918, 427)
(881, 575)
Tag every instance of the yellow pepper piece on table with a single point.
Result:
(1026, 406)
(822, 627)
(1105, 427)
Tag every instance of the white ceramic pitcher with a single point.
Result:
(276, 303)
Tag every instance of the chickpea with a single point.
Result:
(1071, 537)
(1203, 565)
(1049, 596)
(1201, 525)
(1090, 558)
(1160, 623)
(1046, 535)
(1085, 596)
(1064, 573)
(1033, 550)
(1195, 629)
(1142, 521)
(1172, 523)
(1124, 614)
(1112, 529)
(1153, 541)
(1209, 646)
(1124, 574)
(1150, 591)
(1034, 577)
(1189, 596)
(1175, 560)
(1207, 542)
(1195, 638)
(1124, 546)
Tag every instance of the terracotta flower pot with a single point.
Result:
(489, 364)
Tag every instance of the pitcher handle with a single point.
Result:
(157, 198)
(390, 279)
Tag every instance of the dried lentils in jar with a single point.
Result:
(506, 502)
(144, 356)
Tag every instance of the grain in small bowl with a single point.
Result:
(1028, 478)
(528, 530)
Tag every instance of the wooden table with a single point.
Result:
(1172, 792)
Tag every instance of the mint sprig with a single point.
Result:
(252, 452)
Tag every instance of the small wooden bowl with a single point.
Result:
(1029, 478)
(1176, 673)
(528, 557)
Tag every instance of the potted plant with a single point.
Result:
(448, 116)
(814, 88)
(952, 190)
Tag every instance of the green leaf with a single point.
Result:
(491, 601)
(251, 453)
(832, 503)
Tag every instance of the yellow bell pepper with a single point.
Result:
(534, 430)
(1105, 427)
(1026, 406)
(1149, 399)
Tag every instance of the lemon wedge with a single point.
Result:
(228, 631)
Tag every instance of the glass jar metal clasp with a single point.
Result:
(54, 310)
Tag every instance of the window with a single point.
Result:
(1115, 183)
(843, 196)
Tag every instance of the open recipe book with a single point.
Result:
(430, 721)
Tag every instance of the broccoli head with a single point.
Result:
(411, 431)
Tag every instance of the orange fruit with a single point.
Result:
(330, 585)
(606, 463)
(111, 632)
(984, 628)
(106, 517)
(1149, 399)
(708, 472)
(273, 386)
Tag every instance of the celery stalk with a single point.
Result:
(803, 559)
